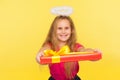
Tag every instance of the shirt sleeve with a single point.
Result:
(78, 46)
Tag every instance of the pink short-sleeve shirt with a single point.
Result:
(57, 70)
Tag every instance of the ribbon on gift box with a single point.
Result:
(64, 55)
(63, 51)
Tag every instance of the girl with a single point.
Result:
(62, 32)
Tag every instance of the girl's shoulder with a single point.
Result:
(47, 45)
(78, 46)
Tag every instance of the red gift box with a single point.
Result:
(75, 56)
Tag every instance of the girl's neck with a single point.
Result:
(61, 44)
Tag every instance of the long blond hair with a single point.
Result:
(52, 39)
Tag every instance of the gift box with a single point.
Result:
(74, 56)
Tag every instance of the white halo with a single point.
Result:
(63, 10)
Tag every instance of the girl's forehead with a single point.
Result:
(63, 23)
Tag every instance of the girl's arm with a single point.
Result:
(82, 49)
(41, 52)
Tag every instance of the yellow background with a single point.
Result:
(24, 25)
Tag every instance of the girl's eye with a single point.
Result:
(66, 27)
(59, 28)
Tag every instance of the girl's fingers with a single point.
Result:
(97, 50)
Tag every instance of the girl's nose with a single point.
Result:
(63, 30)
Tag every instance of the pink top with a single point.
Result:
(57, 70)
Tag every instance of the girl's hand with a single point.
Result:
(97, 50)
(38, 56)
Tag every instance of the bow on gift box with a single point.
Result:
(63, 51)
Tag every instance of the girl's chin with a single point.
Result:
(63, 40)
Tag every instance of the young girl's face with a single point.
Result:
(63, 30)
